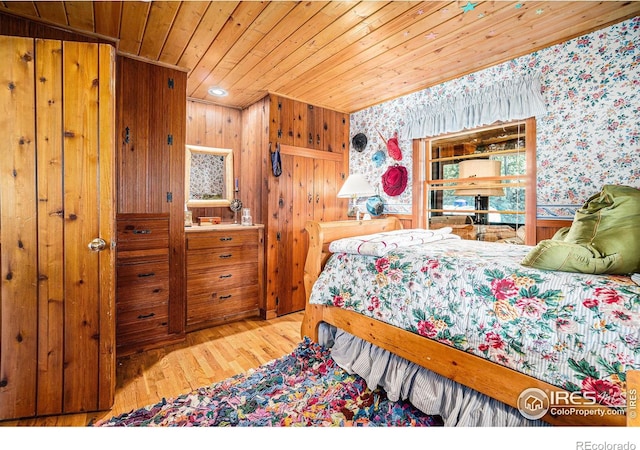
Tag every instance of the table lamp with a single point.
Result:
(355, 186)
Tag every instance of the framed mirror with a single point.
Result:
(209, 176)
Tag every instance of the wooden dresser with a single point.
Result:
(142, 319)
(225, 274)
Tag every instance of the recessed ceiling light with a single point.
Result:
(217, 91)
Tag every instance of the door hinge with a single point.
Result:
(278, 236)
(171, 83)
(279, 133)
(277, 301)
(170, 139)
(279, 105)
(169, 197)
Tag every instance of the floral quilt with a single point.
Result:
(579, 332)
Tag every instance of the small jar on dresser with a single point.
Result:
(225, 273)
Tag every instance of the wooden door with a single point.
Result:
(308, 192)
(56, 196)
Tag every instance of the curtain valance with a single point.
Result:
(508, 100)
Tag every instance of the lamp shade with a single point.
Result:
(356, 186)
(479, 168)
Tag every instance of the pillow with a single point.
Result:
(379, 244)
(603, 238)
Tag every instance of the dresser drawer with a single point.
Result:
(211, 305)
(216, 239)
(140, 233)
(143, 275)
(227, 277)
(142, 316)
(228, 256)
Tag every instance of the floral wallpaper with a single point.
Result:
(206, 177)
(589, 137)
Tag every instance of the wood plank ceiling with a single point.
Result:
(343, 55)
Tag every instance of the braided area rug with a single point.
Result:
(304, 388)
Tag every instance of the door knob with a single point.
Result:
(97, 245)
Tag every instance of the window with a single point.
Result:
(480, 182)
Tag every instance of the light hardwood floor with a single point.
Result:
(205, 357)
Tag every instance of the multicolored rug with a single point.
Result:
(304, 388)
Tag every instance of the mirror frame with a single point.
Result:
(228, 175)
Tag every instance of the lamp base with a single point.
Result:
(482, 203)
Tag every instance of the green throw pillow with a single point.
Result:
(603, 238)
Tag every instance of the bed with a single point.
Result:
(496, 367)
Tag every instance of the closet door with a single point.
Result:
(307, 191)
(56, 201)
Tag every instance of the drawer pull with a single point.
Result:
(226, 239)
(226, 276)
(146, 316)
(224, 297)
(141, 231)
(143, 275)
(226, 255)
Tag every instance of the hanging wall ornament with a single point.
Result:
(394, 180)
(392, 146)
(276, 160)
(359, 142)
(378, 158)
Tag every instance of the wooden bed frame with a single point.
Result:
(493, 380)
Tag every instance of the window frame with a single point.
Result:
(422, 161)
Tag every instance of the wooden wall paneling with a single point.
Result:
(332, 180)
(318, 182)
(316, 126)
(285, 232)
(419, 184)
(547, 228)
(300, 128)
(344, 137)
(255, 138)
(161, 128)
(18, 26)
(531, 181)
(176, 157)
(50, 227)
(275, 118)
(272, 245)
(329, 129)
(306, 190)
(18, 233)
(133, 126)
(302, 181)
(270, 205)
(287, 125)
(107, 226)
(342, 172)
(82, 312)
